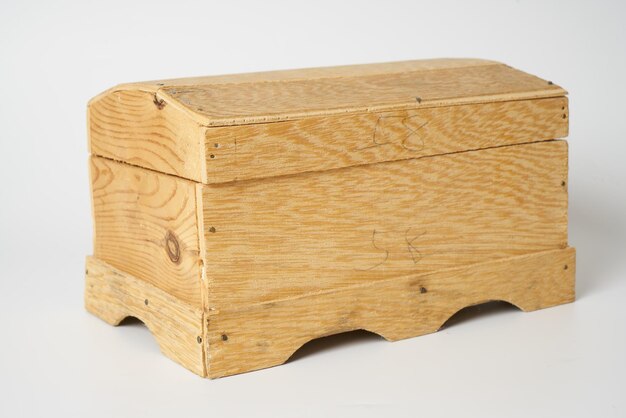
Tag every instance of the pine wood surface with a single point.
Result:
(304, 74)
(293, 235)
(180, 127)
(145, 224)
(327, 142)
(113, 295)
(267, 334)
(242, 103)
(135, 127)
(241, 216)
(260, 240)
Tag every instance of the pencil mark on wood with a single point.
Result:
(413, 133)
(375, 135)
(380, 136)
(374, 233)
(416, 255)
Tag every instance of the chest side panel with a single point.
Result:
(145, 224)
(277, 238)
(142, 129)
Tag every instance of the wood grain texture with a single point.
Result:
(241, 216)
(327, 142)
(267, 334)
(255, 102)
(140, 128)
(146, 225)
(213, 129)
(293, 235)
(113, 295)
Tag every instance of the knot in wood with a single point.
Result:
(172, 247)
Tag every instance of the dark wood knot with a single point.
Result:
(172, 247)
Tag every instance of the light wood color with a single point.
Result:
(145, 224)
(328, 142)
(323, 118)
(113, 295)
(241, 216)
(139, 128)
(267, 334)
(293, 235)
(242, 103)
(246, 242)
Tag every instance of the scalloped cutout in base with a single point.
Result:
(231, 341)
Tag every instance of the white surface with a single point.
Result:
(56, 360)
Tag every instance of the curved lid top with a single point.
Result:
(293, 94)
(217, 129)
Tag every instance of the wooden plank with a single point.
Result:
(269, 240)
(258, 102)
(146, 225)
(113, 295)
(140, 128)
(267, 334)
(327, 142)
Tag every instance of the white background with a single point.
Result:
(57, 360)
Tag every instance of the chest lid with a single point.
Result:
(246, 126)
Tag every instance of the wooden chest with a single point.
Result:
(241, 216)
